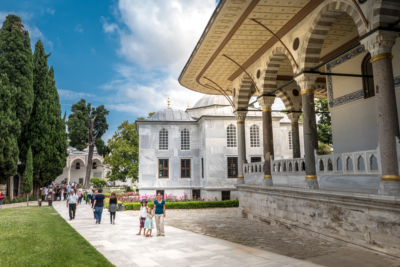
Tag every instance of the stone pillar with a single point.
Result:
(307, 85)
(241, 117)
(294, 118)
(380, 46)
(266, 103)
(69, 174)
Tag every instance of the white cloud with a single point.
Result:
(161, 33)
(71, 95)
(79, 28)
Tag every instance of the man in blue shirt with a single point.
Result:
(98, 205)
(73, 202)
(92, 202)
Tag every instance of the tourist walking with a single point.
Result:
(46, 192)
(92, 202)
(112, 206)
(65, 193)
(98, 205)
(1, 199)
(89, 195)
(142, 216)
(80, 194)
(72, 202)
(159, 212)
(148, 225)
(68, 190)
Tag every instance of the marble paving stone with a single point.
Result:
(120, 245)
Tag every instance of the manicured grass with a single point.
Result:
(34, 236)
(188, 205)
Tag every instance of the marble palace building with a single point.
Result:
(345, 51)
(196, 151)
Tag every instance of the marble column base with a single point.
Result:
(311, 184)
(240, 181)
(267, 182)
(389, 188)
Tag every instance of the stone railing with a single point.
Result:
(255, 167)
(288, 166)
(360, 162)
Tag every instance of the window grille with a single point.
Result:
(163, 168)
(231, 135)
(94, 165)
(185, 140)
(290, 140)
(254, 136)
(163, 139)
(77, 166)
(185, 168)
(255, 159)
(232, 167)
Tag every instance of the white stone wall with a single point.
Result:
(354, 123)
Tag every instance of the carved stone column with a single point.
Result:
(380, 46)
(307, 85)
(294, 118)
(241, 117)
(266, 103)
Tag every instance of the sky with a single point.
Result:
(126, 55)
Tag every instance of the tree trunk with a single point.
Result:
(27, 199)
(89, 166)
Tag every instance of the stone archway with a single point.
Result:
(320, 27)
(245, 92)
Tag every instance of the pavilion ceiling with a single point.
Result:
(231, 32)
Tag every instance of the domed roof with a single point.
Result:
(170, 114)
(210, 100)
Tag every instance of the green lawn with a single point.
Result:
(33, 236)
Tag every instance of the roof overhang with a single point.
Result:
(230, 31)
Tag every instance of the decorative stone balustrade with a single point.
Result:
(360, 162)
(295, 166)
(255, 167)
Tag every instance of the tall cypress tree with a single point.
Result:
(16, 62)
(45, 131)
(28, 176)
(9, 130)
(16, 74)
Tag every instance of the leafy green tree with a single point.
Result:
(324, 126)
(45, 131)
(98, 182)
(16, 62)
(9, 130)
(124, 152)
(86, 126)
(27, 178)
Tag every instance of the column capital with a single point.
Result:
(294, 117)
(240, 116)
(379, 43)
(266, 102)
(306, 81)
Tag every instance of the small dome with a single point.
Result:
(210, 100)
(170, 114)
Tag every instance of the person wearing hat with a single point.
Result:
(142, 215)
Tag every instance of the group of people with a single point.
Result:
(146, 215)
(62, 191)
(97, 202)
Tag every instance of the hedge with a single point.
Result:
(188, 205)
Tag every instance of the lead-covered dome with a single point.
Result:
(212, 100)
(170, 114)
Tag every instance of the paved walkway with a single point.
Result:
(119, 244)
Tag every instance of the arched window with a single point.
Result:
(77, 166)
(360, 164)
(290, 140)
(296, 167)
(284, 166)
(279, 167)
(290, 166)
(349, 164)
(254, 136)
(231, 135)
(303, 166)
(94, 165)
(185, 140)
(274, 168)
(339, 164)
(368, 83)
(373, 163)
(163, 139)
(321, 165)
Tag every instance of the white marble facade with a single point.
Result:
(207, 123)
